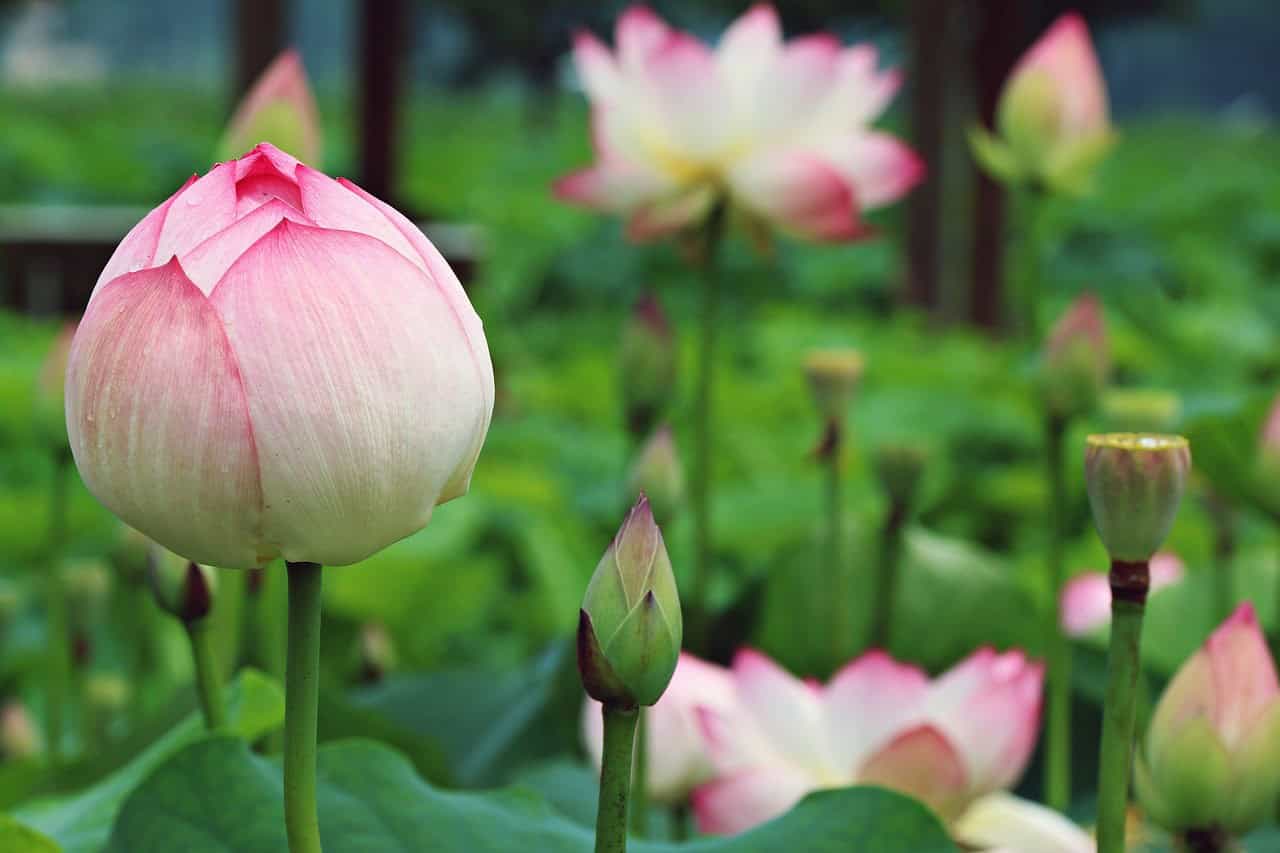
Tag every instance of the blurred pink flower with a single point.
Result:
(275, 363)
(279, 109)
(947, 741)
(1064, 55)
(781, 128)
(1003, 823)
(677, 757)
(1269, 438)
(1085, 604)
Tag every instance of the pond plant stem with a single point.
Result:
(891, 533)
(615, 778)
(302, 696)
(58, 625)
(208, 676)
(839, 599)
(639, 778)
(1057, 768)
(1129, 584)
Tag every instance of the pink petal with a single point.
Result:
(798, 191)
(639, 33)
(1003, 823)
(1244, 676)
(1166, 570)
(198, 212)
(862, 92)
(596, 67)
(157, 419)
(920, 762)
(344, 344)
(1065, 52)
(206, 263)
(1085, 604)
(1269, 440)
(284, 163)
(331, 205)
(798, 83)
(262, 182)
(787, 710)
(284, 82)
(868, 701)
(747, 50)
(880, 168)
(137, 250)
(744, 800)
(689, 96)
(612, 186)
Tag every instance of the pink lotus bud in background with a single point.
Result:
(780, 128)
(646, 365)
(50, 412)
(1052, 115)
(1003, 823)
(1076, 359)
(279, 108)
(947, 742)
(657, 473)
(275, 363)
(1269, 438)
(1085, 604)
(1212, 753)
(19, 737)
(677, 756)
(1135, 483)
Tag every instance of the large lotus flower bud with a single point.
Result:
(1140, 410)
(50, 413)
(899, 468)
(833, 376)
(630, 626)
(677, 754)
(657, 473)
(1076, 359)
(183, 589)
(1052, 115)
(279, 108)
(277, 364)
(647, 365)
(1135, 483)
(1212, 756)
(19, 737)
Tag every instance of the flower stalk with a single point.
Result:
(1057, 769)
(615, 777)
(58, 667)
(302, 697)
(208, 676)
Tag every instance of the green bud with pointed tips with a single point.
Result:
(182, 588)
(630, 626)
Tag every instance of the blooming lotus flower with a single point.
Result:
(780, 128)
(1003, 823)
(275, 363)
(879, 722)
(278, 108)
(1212, 754)
(1085, 604)
(1052, 114)
(677, 756)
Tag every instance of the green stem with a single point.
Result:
(839, 598)
(1224, 551)
(639, 777)
(1129, 583)
(615, 778)
(302, 698)
(1057, 768)
(1030, 284)
(886, 593)
(700, 505)
(208, 676)
(58, 667)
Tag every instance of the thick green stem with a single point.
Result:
(1129, 583)
(615, 778)
(302, 698)
(895, 522)
(208, 676)
(640, 778)
(1057, 767)
(1030, 284)
(58, 624)
(1224, 552)
(700, 492)
(839, 598)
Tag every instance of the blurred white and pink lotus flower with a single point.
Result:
(1003, 823)
(947, 741)
(276, 363)
(779, 129)
(1085, 603)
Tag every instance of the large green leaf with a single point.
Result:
(81, 823)
(217, 796)
(16, 838)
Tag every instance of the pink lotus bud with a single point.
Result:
(1135, 483)
(1052, 115)
(1269, 438)
(677, 757)
(647, 365)
(657, 473)
(778, 129)
(1076, 359)
(1085, 604)
(946, 742)
(19, 737)
(277, 364)
(1212, 756)
(279, 108)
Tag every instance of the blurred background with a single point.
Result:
(462, 113)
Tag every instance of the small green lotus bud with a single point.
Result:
(647, 363)
(377, 651)
(182, 588)
(899, 468)
(658, 474)
(1076, 360)
(19, 737)
(1141, 410)
(630, 626)
(1135, 482)
(88, 584)
(833, 376)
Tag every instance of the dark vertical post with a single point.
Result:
(928, 116)
(260, 32)
(383, 27)
(999, 40)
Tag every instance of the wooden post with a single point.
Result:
(383, 26)
(260, 29)
(928, 116)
